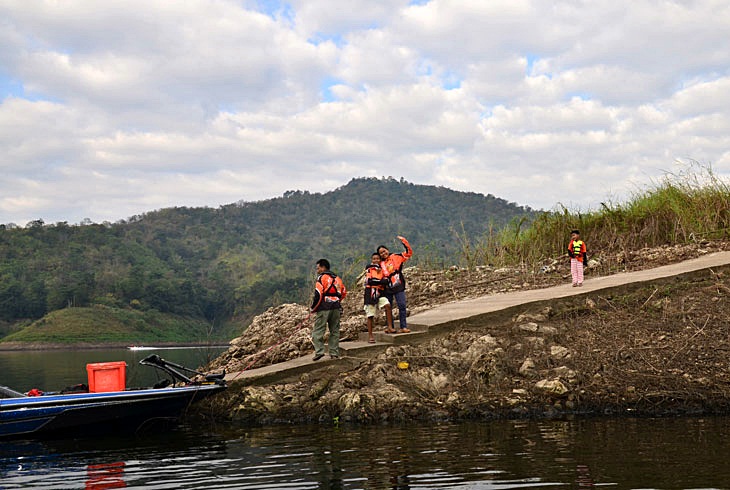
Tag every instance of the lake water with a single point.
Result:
(672, 453)
(55, 369)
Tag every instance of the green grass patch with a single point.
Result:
(104, 324)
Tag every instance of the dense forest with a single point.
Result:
(236, 260)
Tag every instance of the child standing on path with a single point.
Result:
(375, 282)
(577, 252)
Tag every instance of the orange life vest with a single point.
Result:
(393, 268)
(329, 290)
(577, 249)
(375, 283)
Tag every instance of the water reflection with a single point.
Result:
(631, 453)
(105, 475)
(584, 479)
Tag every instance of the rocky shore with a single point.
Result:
(654, 349)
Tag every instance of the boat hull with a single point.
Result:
(94, 413)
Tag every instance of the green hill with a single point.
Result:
(102, 324)
(222, 266)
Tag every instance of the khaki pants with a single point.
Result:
(322, 320)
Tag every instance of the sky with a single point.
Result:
(112, 109)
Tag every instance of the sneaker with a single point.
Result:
(317, 357)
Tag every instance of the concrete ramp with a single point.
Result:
(460, 310)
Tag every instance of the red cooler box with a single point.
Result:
(107, 376)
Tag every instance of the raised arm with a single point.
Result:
(409, 251)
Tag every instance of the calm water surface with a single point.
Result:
(677, 453)
(53, 370)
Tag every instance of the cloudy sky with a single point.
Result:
(110, 109)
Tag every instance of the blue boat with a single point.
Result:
(78, 412)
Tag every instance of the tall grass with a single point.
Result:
(688, 206)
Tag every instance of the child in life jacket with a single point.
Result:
(375, 282)
(578, 257)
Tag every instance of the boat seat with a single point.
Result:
(215, 376)
(163, 383)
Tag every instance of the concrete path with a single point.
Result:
(420, 323)
(460, 310)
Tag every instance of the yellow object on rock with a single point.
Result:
(403, 365)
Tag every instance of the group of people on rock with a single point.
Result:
(384, 283)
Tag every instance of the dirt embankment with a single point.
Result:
(653, 349)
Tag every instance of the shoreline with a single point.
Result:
(418, 414)
(35, 346)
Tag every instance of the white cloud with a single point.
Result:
(333, 17)
(116, 108)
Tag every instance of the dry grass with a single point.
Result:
(685, 207)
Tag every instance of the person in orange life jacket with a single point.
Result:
(329, 290)
(375, 283)
(392, 265)
(578, 257)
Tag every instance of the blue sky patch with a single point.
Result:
(10, 87)
(531, 59)
(321, 37)
(486, 113)
(450, 81)
(276, 9)
(580, 95)
(326, 86)
(425, 69)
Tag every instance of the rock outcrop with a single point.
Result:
(659, 348)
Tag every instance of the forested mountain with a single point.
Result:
(236, 260)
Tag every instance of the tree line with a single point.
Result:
(238, 259)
